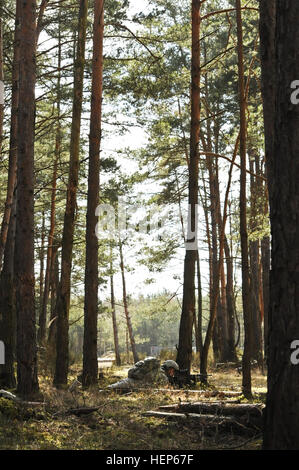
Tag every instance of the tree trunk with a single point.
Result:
(265, 248)
(64, 289)
(54, 282)
(45, 298)
(231, 313)
(1, 78)
(42, 267)
(114, 323)
(8, 324)
(7, 241)
(43, 313)
(281, 430)
(199, 308)
(214, 299)
(125, 301)
(267, 39)
(12, 168)
(254, 256)
(12, 171)
(214, 273)
(220, 331)
(24, 247)
(127, 346)
(222, 317)
(184, 355)
(268, 72)
(90, 352)
(246, 368)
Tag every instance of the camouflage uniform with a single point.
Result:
(142, 374)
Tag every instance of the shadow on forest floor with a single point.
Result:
(118, 424)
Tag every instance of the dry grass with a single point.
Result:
(118, 424)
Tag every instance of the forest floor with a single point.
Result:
(119, 423)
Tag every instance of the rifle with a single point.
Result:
(183, 377)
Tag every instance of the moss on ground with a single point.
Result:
(119, 423)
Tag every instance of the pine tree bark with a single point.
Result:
(217, 275)
(125, 302)
(43, 313)
(24, 246)
(227, 297)
(199, 340)
(268, 85)
(114, 322)
(214, 273)
(231, 313)
(46, 290)
(246, 367)
(12, 168)
(54, 282)
(254, 256)
(7, 239)
(184, 355)
(90, 353)
(1, 78)
(268, 73)
(42, 268)
(64, 289)
(266, 255)
(222, 316)
(281, 429)
(215, 298)
(8, 325)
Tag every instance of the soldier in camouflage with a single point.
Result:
(146, 373)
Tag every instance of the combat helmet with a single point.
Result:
(169, 364)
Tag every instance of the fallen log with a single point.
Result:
(175, 405)
(227, 365)
(76, 411)
(9, 396)
(19, 401)
(187, 416)
(220, 408)
(209, 421)
(205, 393)
(223, 393)
(81, 411)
